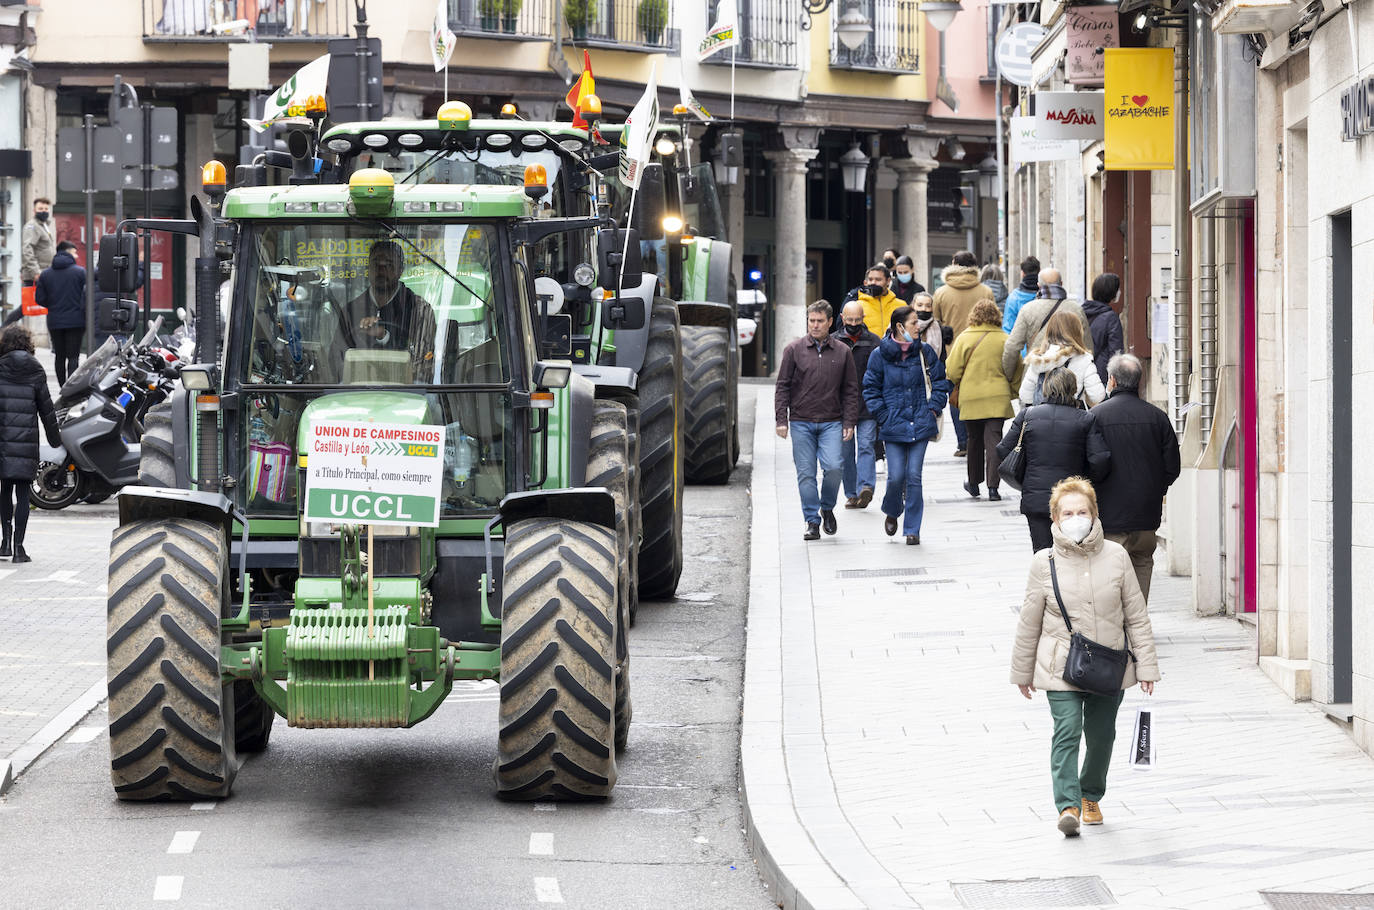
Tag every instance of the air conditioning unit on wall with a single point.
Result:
(1246, 17)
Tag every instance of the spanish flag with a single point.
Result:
(583, 87)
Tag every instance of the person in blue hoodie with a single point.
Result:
(1023, 292)
(62, 289)
(905, 390)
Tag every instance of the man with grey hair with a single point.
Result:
(1035, 316)
(1145, 462)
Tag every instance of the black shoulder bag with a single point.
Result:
(1012, 469)
(1089, 666)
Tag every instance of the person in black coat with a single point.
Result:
(62, 289)
(24, 400)
(860, 453)
(1145, 462)
(1061, 441)
(1103, 322)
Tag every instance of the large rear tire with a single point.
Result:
(608, 463)
(558, 644)
(661, 469)
(157, 465)
(253, 718)
(709, 403)
(171, 716)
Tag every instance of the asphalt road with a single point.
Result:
(409, 817)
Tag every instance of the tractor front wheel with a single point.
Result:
(660, 455)
(171, 716)
(709, 403)
(157, 449)
(558, 658)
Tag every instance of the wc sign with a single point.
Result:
(373, 473)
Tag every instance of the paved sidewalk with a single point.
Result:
(886, 759)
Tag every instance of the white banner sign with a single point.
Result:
(1070, 115)
(374, 473)
(1027, 146)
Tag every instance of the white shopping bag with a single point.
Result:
(1141, 756)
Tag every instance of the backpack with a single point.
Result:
(1038, 397)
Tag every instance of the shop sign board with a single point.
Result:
(1140, 109)
(374, 473)
(1027, 146)
(1069, 115)
(1091, 31)
(1357, 110)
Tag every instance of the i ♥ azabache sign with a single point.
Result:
(1139, 129)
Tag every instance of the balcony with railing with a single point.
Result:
(519, 20)
(769, 31)
(622, 24)
(892, 47)
(233, 20)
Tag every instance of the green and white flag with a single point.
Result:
(288, 101)
(724, 34)
(636, 139)
(441, 38)
(689, 100)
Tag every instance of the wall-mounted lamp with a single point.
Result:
(853, 28)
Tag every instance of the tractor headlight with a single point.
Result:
(584, 275)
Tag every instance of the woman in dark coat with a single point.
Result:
(24, 400)
(905, 390)
(1061, 441)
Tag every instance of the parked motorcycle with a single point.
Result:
(100, 411)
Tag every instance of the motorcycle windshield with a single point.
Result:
(95, 365)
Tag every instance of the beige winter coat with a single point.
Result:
(955, 298)
(1099, 588)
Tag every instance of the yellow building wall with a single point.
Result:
(823, 80)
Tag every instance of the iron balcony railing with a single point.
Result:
(518, 19)
(232, 20)
(893, 46)
(769, 32)
(627, 24)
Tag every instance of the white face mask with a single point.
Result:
(1076, 527)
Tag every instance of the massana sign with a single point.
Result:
(1069, 115)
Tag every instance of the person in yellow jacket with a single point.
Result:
(878, 300)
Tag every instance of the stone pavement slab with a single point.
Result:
(886, 757)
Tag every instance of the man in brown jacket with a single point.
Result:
(954, 302)
(816, 400)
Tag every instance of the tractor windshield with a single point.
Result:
(487, 167)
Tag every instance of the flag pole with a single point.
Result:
(625, 252)
(732, 81)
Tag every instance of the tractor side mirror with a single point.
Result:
(114, 316)
(623, 312)
(118, 269)
(613, 251)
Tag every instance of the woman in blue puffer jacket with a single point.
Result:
(905, 390)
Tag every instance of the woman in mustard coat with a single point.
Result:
(985, 392)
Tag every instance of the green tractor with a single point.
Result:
(391, 474)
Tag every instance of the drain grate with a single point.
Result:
(937, 633)
(879, 573)
(1082, 891)
(1012, 513)
(928, 581)
(1312, 900)
(1230, 648)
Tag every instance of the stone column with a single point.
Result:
(787, 287)
(913, 181)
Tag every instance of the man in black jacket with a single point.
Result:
(1145, 462)
(62, 289)
(860, 467)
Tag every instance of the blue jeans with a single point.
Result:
(960, 431)
(860, 471)
(812, 441)
(903, 495)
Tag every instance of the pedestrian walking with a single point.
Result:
(1103, 322)
(1034, 316)
(905, 285)
(1061, 440)
(816, 402)
(889, 258)
(860, 461)
(1085, 582)
(1145, 463)
(993, 279)
(905, 389)
(932, 333)
(1062, 346)
(877, 298)
(984, 394)
(62, 289)
(1022, 293)
(24, 402)
(954, 302)
(39, 242)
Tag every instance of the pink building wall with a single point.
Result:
(966, 65)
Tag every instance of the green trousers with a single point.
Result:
(1079, 716)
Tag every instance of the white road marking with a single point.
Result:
(61, 576)
(546, 807)
(183, 842)
(6, 573)
(203, 807)
(84, 734)
(541, 844)
(700, 840)
(546, 891)
(168, 888)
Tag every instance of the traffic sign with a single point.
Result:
(164, 133)
(1015, 50)
(107, 158)
(162, 179)
(71, 159)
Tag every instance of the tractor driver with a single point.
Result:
(388, 316)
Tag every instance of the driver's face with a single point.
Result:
(384, 272)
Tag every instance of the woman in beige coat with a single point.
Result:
(1104, 603)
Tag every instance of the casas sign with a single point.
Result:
(1357, 110)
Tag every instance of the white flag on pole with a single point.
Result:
(311, 79)
(724, 34)
(636, 139)
(441, 37)
(689, 100)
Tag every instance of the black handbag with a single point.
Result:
(1012, 470)
(1090, 666)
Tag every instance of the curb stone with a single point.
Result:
(16, 764)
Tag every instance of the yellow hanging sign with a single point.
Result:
(1139, 92)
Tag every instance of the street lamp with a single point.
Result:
(854, 26)
(854, 167)
(940, 13)
(987, 177)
